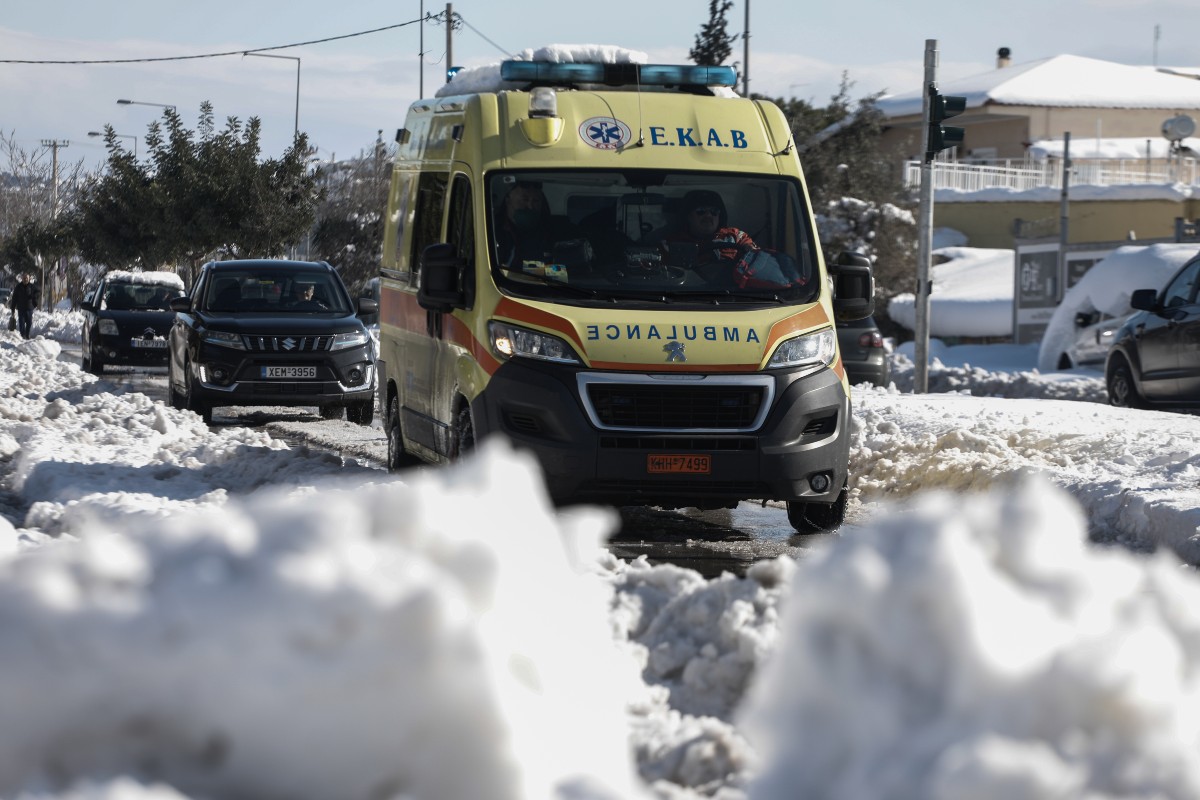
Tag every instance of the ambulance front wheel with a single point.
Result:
(810, 518)
(464, 431)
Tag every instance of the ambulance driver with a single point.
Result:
(718, 252)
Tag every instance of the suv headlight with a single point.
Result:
(108, 327)
(509, 341)
(355, 339)
(810, 349)
(223, 339)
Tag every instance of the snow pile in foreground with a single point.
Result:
(981, 650)
(364, 642)
(170, 629)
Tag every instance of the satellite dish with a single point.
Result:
(1178, 128)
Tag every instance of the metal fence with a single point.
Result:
(1024, 174)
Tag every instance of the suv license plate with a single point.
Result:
(657, 463)
(289, 372)
(153, 344)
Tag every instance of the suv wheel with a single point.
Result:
(176, 400)
(1122, 391)
(362, 412)
(194, 403)
(809, 518)
(93, 363)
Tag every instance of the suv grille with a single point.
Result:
(287, 344)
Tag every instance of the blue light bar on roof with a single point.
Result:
(549, 73)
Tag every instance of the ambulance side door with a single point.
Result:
(417, 379)
(451, 332)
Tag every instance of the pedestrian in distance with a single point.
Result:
(25, 298)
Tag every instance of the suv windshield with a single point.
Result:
(601, 235)
(275, 291)
(138, 296)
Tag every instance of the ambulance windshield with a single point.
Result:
(655, 236)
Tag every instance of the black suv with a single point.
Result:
(127, 317)
(1154, 360)
(278, 333)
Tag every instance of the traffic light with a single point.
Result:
(942, 107)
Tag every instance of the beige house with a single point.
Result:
(1006, 176)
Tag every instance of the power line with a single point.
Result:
(459, 17)
(218, 55)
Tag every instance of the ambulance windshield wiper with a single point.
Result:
(727, 296)
(559, 284)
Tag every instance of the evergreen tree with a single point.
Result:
(858, 197)
(713, 43)
(198, 194)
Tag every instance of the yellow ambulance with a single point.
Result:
(615, 266)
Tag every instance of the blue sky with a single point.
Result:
(353, 88)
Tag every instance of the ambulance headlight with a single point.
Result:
(510, 341)
(810, 350)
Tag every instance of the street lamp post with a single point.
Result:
(296, 129)
(54, 145)
(140, 103)
(122, 135)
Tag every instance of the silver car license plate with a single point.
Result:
(289, 372)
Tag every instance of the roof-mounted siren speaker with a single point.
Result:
(1178, 128)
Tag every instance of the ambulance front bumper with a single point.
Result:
(672, 440)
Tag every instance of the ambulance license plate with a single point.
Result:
(660, 463)
(289, 372)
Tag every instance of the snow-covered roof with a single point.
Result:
(1065, 81)
(1111, 148)
(145, 278)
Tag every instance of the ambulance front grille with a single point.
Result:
(668, 406)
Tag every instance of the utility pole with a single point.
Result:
(54, 145)
(1064, 211)
(449, 39)
(421, 54)
(924, 234)
(746, 54)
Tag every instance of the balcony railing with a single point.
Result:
(1021, 175)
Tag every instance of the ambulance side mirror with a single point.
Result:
(437, 286)
(853, 287)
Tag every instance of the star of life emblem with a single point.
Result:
(604, 133)
(675, 351)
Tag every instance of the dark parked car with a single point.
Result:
(279, 333)
(1154, 360)
(127, 317)
(863, 353)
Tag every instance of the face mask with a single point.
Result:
(525, 218)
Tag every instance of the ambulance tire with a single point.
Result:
(397, 458)
(813, 518)
(464, 431)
